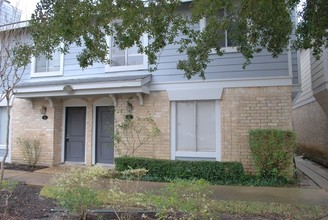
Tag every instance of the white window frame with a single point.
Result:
(226, 49)
(201, 155)
(3, 146)
(50, 73)
(144, 66)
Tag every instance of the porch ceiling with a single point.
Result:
(84, 86)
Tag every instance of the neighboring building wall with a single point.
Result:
(310, 121)
(8, 13)
(246, 108)
(311, 125)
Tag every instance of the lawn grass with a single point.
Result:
(217, 207)
(285, 211)
(8, 185)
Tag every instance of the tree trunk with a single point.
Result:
(7, 139)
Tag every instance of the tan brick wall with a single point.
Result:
(58, 130)
(241, 109)
(158, 105)
(246, 108)
(89, 132)
(311, 126)
(27, 122)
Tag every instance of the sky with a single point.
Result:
(27, 7)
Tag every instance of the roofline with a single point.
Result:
(15, 25)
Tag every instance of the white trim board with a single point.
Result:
(228, 83)
(93, 88)
(143, 89)
(195, 94)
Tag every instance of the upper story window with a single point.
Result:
(127, 59)
(227, 41)
(43, 67)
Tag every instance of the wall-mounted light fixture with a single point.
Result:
(43, 112)
(129, 109)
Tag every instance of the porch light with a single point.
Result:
(43, 112)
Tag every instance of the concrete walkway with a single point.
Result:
(32, 178)
(317, 173)
(232, 193)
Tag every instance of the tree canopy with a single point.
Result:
(253, 25)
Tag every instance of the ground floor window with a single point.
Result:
(195, 129)
(3, 130)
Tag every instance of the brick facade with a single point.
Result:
(241, 110)
(311, 126)
(158, 105)
(246, 108)
(27, 122)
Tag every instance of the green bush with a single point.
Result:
(31, 150)
(164, 170)
(272, 151)
(73, 189)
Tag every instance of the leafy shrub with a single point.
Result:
(134, 173)
(31, 150)
(73, 189)
(251, 180)
(131, 132)
(163, 170)
(272, 151)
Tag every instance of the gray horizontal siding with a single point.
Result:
(229, 66)
(72, 68)
(306, 94)
(318, 74)
(226, 67)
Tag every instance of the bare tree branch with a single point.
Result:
(13, 61)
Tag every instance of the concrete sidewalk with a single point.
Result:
(31, 178)
(317, 173)
(232, 193)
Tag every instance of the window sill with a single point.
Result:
(226, 50)
(125, 68)
(195, 154)
(46, 74)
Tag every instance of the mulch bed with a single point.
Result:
(23, 167)
(25, 203)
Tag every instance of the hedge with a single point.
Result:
(272, 151)
(163, 170)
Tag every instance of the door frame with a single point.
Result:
(75, 102)
(99, 103)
